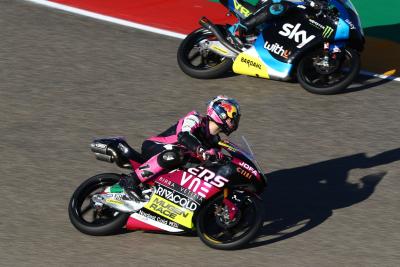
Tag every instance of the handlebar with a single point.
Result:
(321, 7)
(317, 4)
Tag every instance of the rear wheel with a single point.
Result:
(88, 218)
(218, 232)
(197, 61)
(319, 77)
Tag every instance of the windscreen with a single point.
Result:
(244, 146)
(350, 5)
(253, 157)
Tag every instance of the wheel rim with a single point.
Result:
(214, 232)
(200, 58)
(86, 212)
(315, 78)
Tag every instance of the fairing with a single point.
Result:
(178, 195)
(283, 42)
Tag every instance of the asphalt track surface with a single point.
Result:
(333, 161)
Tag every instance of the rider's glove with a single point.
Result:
(202, 153)
(210, 154)
(215, 153)
(317, 5)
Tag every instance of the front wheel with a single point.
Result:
(90, 219)
(319, 76)
(218, 232)
(197, 61)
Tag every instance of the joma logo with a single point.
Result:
(293, 32)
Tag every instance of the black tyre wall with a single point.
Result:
(113, 227)
(183, 62)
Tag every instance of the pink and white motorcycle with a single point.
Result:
(217, 199)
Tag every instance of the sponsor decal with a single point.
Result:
(170, 211)
(249, 168)
(180, 189)
(316, 24)
(115, 196)
(114, 201)
(158, 219)
(244, 173)
(147, 215)
(293, 32)
(242, 10)
(200, 180)
(250, 63)
(176, 198)
(173, 224)
(327, 32)
(219, 49)
(277, 49)
(227, 146)
(350, 24)
(208, 176)
(195, 184)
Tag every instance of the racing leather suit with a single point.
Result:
(269, 10)
(163, 152)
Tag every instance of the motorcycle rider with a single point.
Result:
(198, 134)
(273, 9)
(269, 9)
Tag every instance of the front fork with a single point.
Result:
(331, 51)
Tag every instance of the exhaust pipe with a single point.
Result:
(102, 152)
(208, 25)
(98, 147)
(103, 157)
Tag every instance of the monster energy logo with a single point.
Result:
(327, 32)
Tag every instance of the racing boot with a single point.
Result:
(150, 168)
(132, 186)
(133, 183)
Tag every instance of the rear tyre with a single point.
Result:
(85, 217)
(323, 80)
(198, 62)
(215, 232)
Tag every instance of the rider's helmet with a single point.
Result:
(225, 112)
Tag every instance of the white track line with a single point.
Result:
(149, 28)
(381, 76)
(108, 18)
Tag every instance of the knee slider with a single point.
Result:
(169, 159)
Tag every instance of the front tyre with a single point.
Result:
(216, 232)
(197, 61)
(91, 220)
(319, 77)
